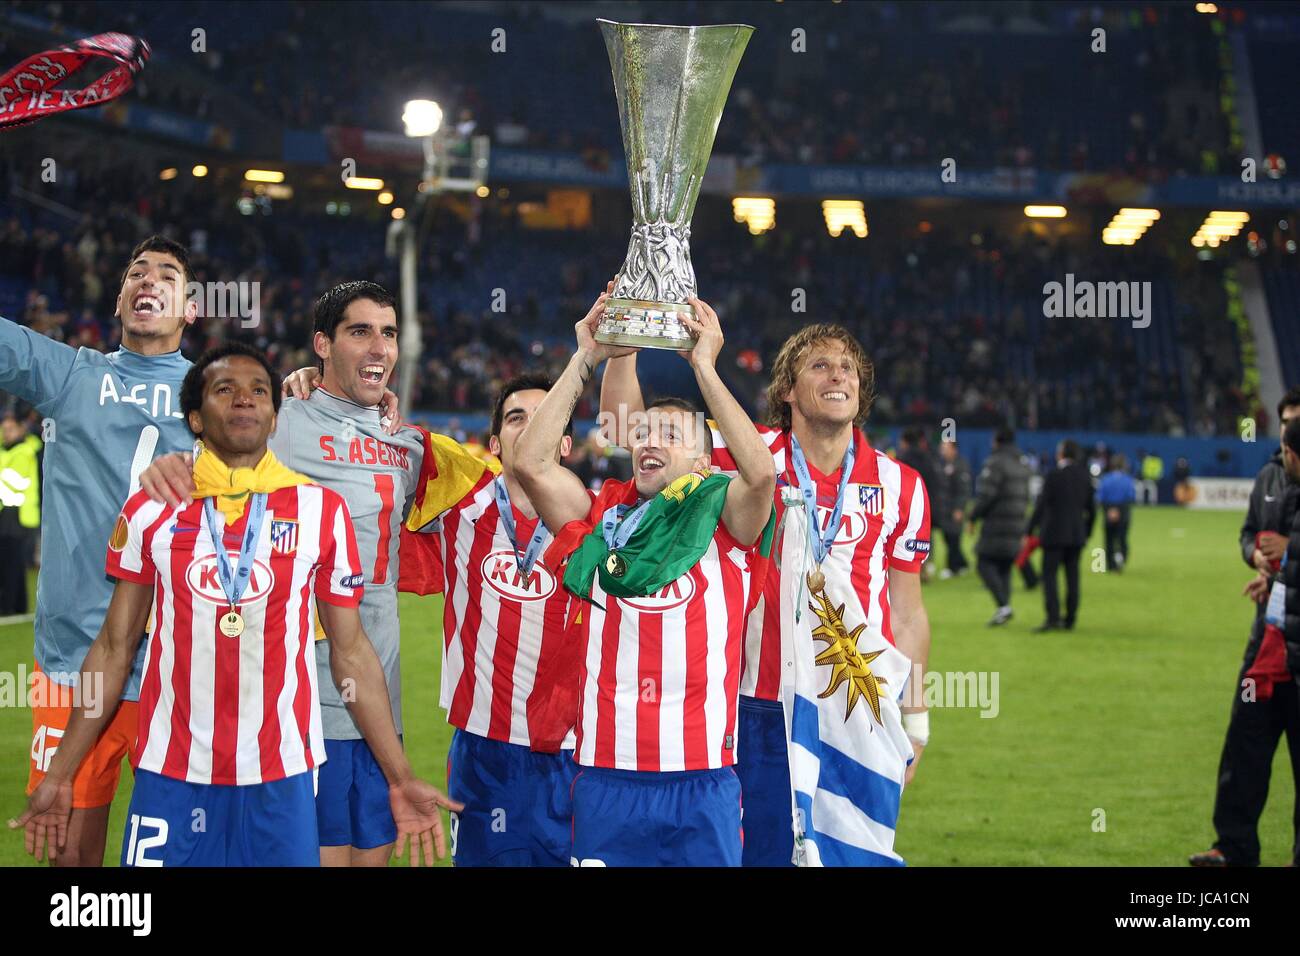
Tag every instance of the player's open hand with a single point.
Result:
(417, 810)
(169, 480)
(45, 822)
(706, 329)
(1257, 589)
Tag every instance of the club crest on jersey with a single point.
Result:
(675, 594)
(501, 573)
(284, 536)
(204, 580)
(872, 498)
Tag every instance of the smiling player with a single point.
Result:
(874, 523)
(335, 436)
(106, 416)
(666, 569)
(229, 717)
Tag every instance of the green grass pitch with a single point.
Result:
(1103, 751)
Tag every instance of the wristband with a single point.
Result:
(917, 727)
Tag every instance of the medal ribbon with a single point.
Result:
(235, 584)
(821, 543)
(26, 91)
(529, 558)
(617, 534)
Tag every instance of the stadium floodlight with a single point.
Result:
(399, 212)
(199, 171)
(840, 213)
(1128, 226)
(421, 117)
(168, 173)
(363, 182)
(483, 192)
(758, 213)
(1207, 8)
(1045, 212)
(1220, 225)
(385, 198)
(263, 176)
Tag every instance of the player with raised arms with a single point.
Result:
(664, 565)
(874, 534)
(229, 720)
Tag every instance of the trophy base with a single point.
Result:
(647, 325)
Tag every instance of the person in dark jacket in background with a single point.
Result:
(1266, 700)
(954, 495)
(1002, 495)
(1065, 512)
(1116, 493)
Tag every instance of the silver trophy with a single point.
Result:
(672, 83)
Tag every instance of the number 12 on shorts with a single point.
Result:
(138, 845)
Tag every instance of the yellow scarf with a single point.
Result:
(213, 478)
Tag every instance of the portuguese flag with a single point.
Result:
(672, 537)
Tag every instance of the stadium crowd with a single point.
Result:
(955, 329)
(934, 93)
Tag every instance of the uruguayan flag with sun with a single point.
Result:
(847, 748)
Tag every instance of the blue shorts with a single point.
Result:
(764, 771)
(635, 818)
(517, 810)
(174, 823)
(352, 801)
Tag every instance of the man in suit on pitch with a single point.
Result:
(1063, 519)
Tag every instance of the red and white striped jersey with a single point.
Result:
(235, 710)
(496, 623)
(660, 676)
(885, 524)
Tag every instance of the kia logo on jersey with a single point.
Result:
(674, 595)
(501, 572)
(204, 580)
(853, 525)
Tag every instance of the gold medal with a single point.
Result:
(615, 565)
(231, 623)
(816, 580)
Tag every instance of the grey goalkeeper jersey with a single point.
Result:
(342, 446)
